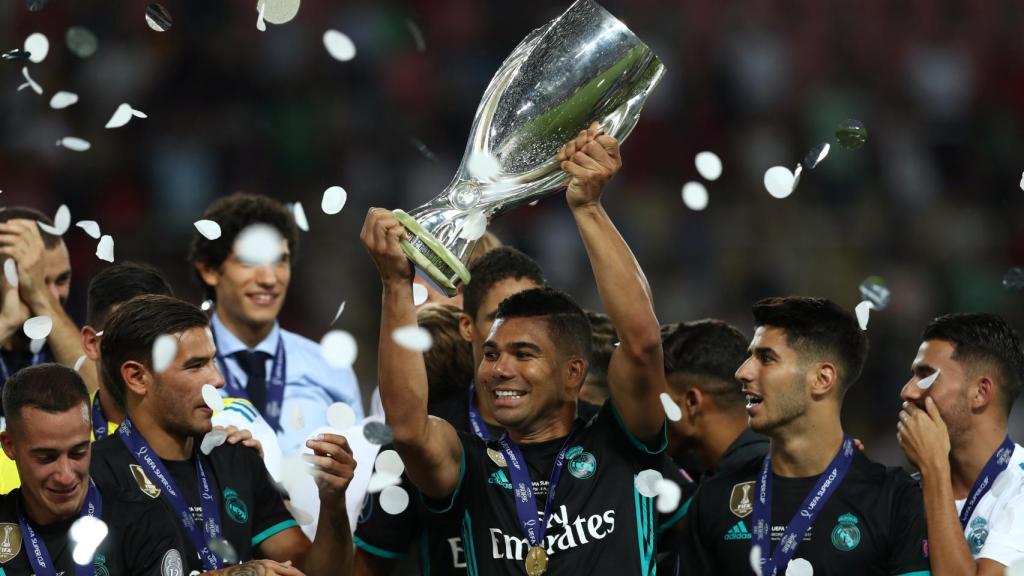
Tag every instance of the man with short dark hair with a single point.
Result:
(814, 503)
(953, 428)
(701, 359)
(518, 506)
(44, 279)
(602, 334)
(226, 494)
(48, 438)
(282, 373)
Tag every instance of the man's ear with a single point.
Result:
(693, 402)
(577, 372)
(825, 379)
(90, 343)
(209, 274)
(136, 377)
(8, 443)
(466, 327)
(981, 392)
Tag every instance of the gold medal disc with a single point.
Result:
(536, 561)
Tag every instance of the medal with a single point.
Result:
(536, 561)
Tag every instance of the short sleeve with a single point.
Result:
(1005, 542)
(908, 533)
(385, 535)
(270, 515)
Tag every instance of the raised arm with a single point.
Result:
(636, 375)
(429, 447)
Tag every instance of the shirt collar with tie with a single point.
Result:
(228, 343)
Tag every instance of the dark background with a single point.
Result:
(932, 203)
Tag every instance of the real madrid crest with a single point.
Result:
(978, 534)
(740, 501)
(846, 534)
(10, 542)
(147, 486)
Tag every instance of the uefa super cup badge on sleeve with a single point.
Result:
(583, 67)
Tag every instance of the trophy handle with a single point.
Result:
(431, 256)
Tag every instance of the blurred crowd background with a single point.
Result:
(932, 203)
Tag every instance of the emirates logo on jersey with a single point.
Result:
(562, 534)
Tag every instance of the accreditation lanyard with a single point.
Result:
(522, 486)
(275, 384)
(828, 482)
(155, 469)
(476, 420)
(38, 555)
(998, 462)
(99, 419)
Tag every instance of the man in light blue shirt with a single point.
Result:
(282, 373)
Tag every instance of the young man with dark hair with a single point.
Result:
(814, 500)
(280, 372)
(701, 359)
(44, 279)
(48, 438)
(953, 428)
(517, 505)
(602, 334)
(227, 494)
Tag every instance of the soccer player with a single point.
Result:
(701, 358)
(282, 373)
(814, 498)
(553, 493)
(226, 495)
(954, 430)
(47, 436)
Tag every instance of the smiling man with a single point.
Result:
(553, 494)
(814, 498)
(282, 373)
(226, 495)
(47, 436)
(953, 428)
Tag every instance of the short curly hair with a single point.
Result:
(502, 263)
(234, 213)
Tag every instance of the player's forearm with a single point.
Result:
(621, 284)
(332, 550)
(949, 554)
(403, 376)
(65, 342)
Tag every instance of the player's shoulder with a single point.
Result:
(8, 506)
(235, 459)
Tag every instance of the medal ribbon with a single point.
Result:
(998, 462)
(38, 555)
(476, 421)
(275, 384)
(99, 419)
(155, 470)
(824, 488)
(526, 500)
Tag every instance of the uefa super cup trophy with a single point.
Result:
(582, 67)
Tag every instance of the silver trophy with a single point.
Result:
(582, 67)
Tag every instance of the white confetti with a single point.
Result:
(338, 348)
(91, 227)
(61, 222)
(208, 228)
(474, 226)
(87, 533)
(413, 338)
(695, 196)
(258, 245)
(30, 83)
(863, 311)
(709, 165)
(646, 481)
(279, 11)
(779, 181)
(338, 313)
(37, 46)
(105, 248)
(339, 46)
(73, 143)
(206, 305)
(394, 500)
(123, 115)
(1022, 188)
(669, 495)
(417, 35)
(212, 398)
(799, 567)
(379, 481)
(334, 200)
(37, 327)
(419, 294)
(78, 363)
(261, 23)
(340, 416)
(672, 409)
(483, 166)
(300, 217)
(11, 272)
(755, 559)
(389, 462)
(62, 100)
(165, 348)
(926, 383)
(36, 345)
(212, 439)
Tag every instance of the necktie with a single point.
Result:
(254, 363)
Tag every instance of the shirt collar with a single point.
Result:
(228, 343)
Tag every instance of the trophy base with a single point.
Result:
(430, 256)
